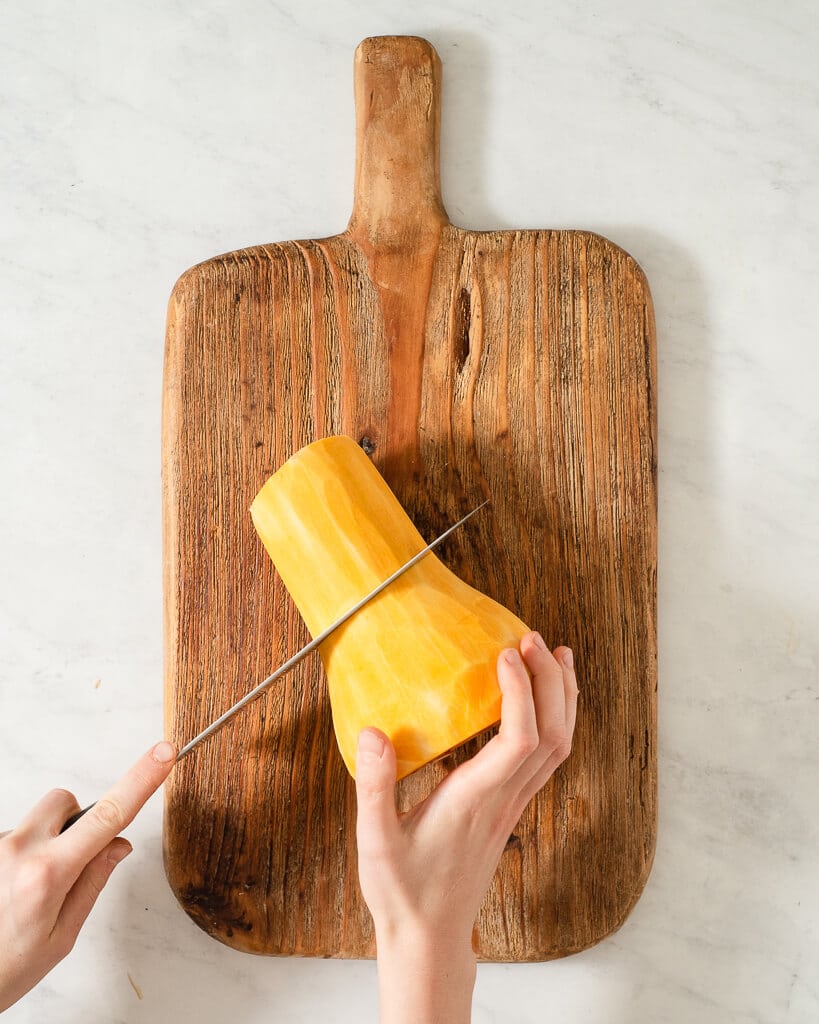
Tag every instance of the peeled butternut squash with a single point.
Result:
(418, 661)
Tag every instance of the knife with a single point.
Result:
(291, 662)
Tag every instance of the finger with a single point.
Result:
(83, 894)
(549, 696)
(517, 739)
(375, 771)
(559, 754)
(518, 729)
(46, 817)
(118, 808)
(566, 658)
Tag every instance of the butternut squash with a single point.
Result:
(418, 661)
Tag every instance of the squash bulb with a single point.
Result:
(419, 660)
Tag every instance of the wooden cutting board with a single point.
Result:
(513, 364)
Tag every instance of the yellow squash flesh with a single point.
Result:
(418, 661)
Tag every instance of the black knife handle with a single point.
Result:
(75, 817)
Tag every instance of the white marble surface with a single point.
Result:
(139, 138)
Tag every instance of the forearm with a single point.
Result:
(425, 983)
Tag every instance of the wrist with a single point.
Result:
(424, 976)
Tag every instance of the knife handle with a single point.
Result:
(75, 817)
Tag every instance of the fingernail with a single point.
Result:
(163, 752)
(119, 853)
(539, 641)
(568, 658)
(370, 746)
(511, 657)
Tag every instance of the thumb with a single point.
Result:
(84, 892)
(375, 771)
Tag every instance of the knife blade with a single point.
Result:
(283, 669)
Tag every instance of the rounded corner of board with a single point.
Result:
(623, 254)
(212, 914)
(631, 897)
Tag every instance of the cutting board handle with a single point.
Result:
(398, 129)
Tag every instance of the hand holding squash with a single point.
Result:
(424, 874)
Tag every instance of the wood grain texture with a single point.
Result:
(513, 364)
